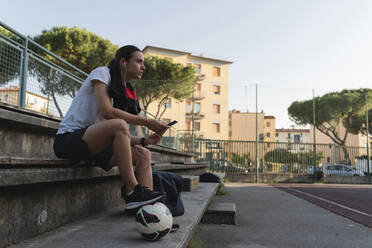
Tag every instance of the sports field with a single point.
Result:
(351, 201)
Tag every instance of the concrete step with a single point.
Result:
(220, 212)
(24, 171)
(190, 183)
(116, 229)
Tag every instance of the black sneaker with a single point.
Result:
(141, 196)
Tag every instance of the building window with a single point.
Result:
(188, 107)
(267, 124)
(289, 135)
(168, 104)
(197, 107)
(188, 125)
(216, 108)
(217, 89)
(261, 137)
(268, 135)
(277, 135)
(216, 127)
(197, 126)
(230, 133)
(216, 71)
(197, 68)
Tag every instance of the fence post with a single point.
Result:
(314, 137)
(23, 83)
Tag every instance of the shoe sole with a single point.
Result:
(133, 205)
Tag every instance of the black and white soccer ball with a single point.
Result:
(154, 221)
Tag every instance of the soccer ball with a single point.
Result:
(154, 221)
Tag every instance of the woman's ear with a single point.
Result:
(123, 61)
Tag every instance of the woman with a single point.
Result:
(94, 129)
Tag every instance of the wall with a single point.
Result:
(269, 178)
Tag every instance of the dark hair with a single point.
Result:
(115, 87)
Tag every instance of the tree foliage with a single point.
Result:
(164, 80)
(85, 50)
(81, 48)
(345, 108)
(240, 158)
(285, 156)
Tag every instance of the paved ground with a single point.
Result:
(270, 217)
(351, 201)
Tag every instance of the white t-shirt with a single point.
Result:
(83, 111)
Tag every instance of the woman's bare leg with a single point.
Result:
(116, 132)
(142, 159)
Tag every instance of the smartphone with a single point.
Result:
(172, 123)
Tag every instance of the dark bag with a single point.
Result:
(209, 178)
(170, 184)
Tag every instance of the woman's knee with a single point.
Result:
(143, 156)
(146, 154)
(121, 127)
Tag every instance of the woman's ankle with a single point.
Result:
(130, 188)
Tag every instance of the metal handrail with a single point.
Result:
(41, 47)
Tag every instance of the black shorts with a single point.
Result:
(72, 146)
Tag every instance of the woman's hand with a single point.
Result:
(153, 139)
(157, 126)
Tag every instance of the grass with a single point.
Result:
(220, 190)
(195, 242)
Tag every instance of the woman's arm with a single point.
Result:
(109, 112)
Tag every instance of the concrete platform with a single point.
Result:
(116, 229)
(221, 213)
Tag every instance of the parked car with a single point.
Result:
(341, 170)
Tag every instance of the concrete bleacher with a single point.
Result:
(50, 202)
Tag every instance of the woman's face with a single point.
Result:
(135, 66)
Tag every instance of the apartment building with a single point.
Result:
(210, 95)
(292, 135)
(33, 101)
(242, 126)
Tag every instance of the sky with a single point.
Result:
(286, 48)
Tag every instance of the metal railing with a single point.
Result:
(273, 157)
(30, 81)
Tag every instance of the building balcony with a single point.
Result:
(188, 133)
(201, 76)
(197, 115)
(198, 95)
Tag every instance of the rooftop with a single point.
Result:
(186, 53)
